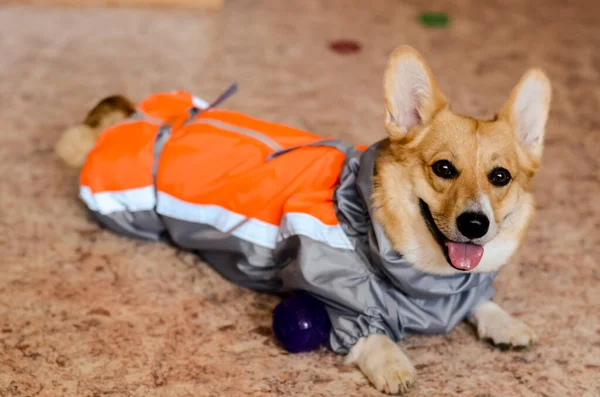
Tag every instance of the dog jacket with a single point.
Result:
(271, 208)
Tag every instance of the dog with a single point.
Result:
(403, 236)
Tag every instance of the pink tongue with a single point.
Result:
(464, 256)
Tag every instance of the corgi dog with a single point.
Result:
(449, 193)
(453, 194)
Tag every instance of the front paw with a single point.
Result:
(389, 373)
(502, 329)
(384, 364)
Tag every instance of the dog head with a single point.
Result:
(452, 192)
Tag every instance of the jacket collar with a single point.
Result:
(354, 206)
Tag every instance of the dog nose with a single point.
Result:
(473, 224)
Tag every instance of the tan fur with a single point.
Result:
(384, 363)
(501, 328)
(423, 129)
(75, 143)
(404, 175)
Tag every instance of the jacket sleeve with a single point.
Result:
(357, 302)
(361, 303)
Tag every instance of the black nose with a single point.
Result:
(473, 224)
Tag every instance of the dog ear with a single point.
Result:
(411, 93)
(527, 110)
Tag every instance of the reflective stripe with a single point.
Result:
(254, 230)
(163, 134)
(196, 101)
(338, 144)
(298, 223)
(244, 131)
(250, 229)
(199, 102)
(140, 199)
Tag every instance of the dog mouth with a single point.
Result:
(461, 256)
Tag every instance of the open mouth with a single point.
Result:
(461, 256)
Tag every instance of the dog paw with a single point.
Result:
(507, 333)
(389, 374)
(502, 329)
(384, 364)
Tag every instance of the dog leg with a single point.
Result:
(383, 363)
(76, 142)
(500, 327)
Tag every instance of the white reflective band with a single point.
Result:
(253, 230)
(199, 102)
(140, 199)
(259, 136)
(298, 223)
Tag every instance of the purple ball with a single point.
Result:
(301, 323)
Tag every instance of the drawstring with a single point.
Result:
(195, 111)
(228, 92)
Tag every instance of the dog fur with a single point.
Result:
(75, 143)
(422, 130)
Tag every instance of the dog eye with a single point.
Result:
(444, 169)
(499, 177)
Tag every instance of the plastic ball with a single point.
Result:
(301, 323)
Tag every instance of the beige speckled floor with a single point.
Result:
(86, 313)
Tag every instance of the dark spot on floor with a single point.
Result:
(228, 327)
(84, 256)
(503, 347)
(61, 361)
(263, 331)
(86, 325)
(343, 367)
(345, 47)
(100, 312)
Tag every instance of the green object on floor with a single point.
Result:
(434, 19)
